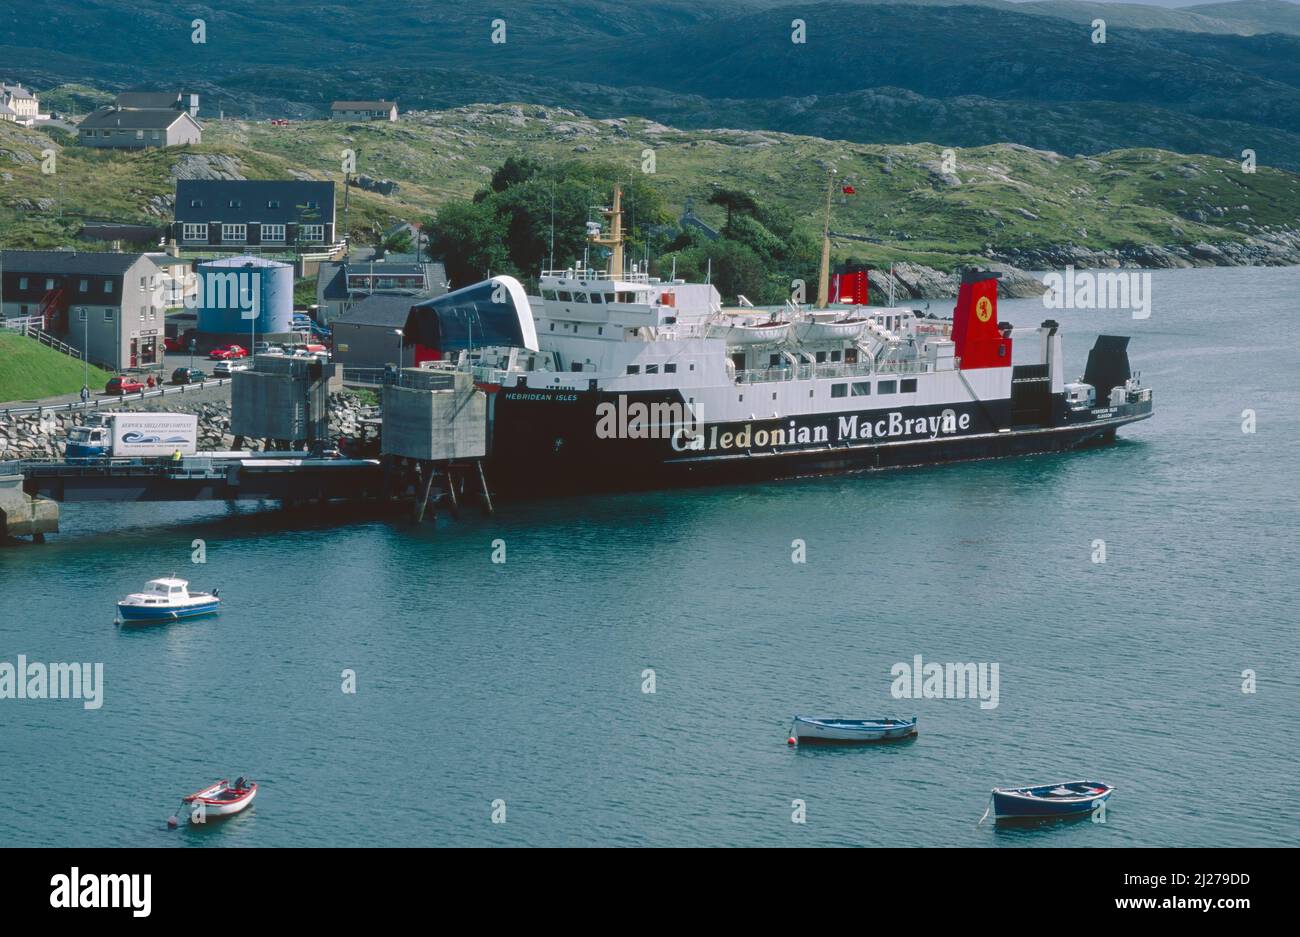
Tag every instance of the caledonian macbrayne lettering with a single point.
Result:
(848, 428)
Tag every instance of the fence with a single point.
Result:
(115, 400)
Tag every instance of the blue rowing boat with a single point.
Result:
(827, 729)
(1067, 799)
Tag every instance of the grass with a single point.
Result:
(31, 371)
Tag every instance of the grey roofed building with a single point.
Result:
(237, 213)
(128, 128)
(363, 110)
(113, 303)
(366, 335)
(132, 119)
(341, 285)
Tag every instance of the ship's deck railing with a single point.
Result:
(910, 366)
(587, 273)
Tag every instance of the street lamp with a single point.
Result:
(193, 344)
(85, 346)
(401, 346)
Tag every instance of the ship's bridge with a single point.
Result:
(627, 301)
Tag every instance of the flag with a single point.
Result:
(849, 190)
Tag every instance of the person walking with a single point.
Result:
(85, 393)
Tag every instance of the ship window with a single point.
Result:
(626, 298)
(774, 361)
(579, 297)
(595, 297)
(634, 369)
(887, 387)
(839, 390)
(652, 369)
(692, 367)
(908, 386)
(670, 369)
(600, 330)
(821, 357)
(609, 297)
(835, 355)
(575, 366)
(552, 326)
(565, 296)
(861, 388)
(550, 294)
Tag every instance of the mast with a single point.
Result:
(613, 240)
(824, 272)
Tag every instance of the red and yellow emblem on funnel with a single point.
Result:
(984, 309)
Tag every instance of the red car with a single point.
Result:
(173, 344)
(123, 385)
(228, 353)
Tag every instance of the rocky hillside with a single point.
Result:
(1007, 203)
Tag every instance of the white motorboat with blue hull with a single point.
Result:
(849, 731)
(166, 600)
(1067, 799)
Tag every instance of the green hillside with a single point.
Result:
(31, 371)
(1000, 199)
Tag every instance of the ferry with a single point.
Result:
(166, 600)
(618, 379)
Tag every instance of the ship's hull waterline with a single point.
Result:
(548, 444)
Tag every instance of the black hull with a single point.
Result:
(549, 447)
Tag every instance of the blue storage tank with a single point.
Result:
(235, 292)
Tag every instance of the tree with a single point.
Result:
(471, 240)
(734, 201)
(514, 170)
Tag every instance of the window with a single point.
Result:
(634, 369)
(839, 390)
(235, 203)
(595, 297)
(908, 386)
(234, 232)
(84, 286)
(550, 294)
(108, 313)
(49, 283)
(609, 297)
(579, 297)
(566, 296)
(139, 134)
(652, 369)
(552, 326)
(81, 313)
(887, 387)
(194, 232)
(22, 283)
(575, 366)
(835, 355)
(313, 232)
(821, 357)
(312, 206)
(774, 361)
(273, 204)
(196, 203)
(273, 233)
(861, 388)
(144, 312)
(108, 286)
(670, 369)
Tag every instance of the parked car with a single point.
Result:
(229, 367)
(227, 352)
(188, 376)
(173, 344)
(123, 384)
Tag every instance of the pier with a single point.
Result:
(434, 437)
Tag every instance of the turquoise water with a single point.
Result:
(522, 681)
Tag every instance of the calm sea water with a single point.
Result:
(522, 682)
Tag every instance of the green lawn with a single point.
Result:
(30, 371)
